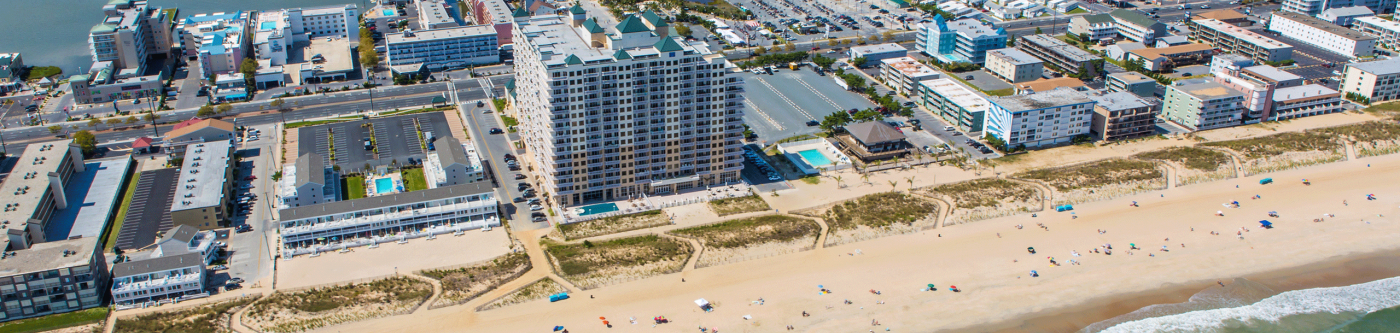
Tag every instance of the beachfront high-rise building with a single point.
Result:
(1040, 119)
(609, 113)
(1322, 34)
(217, 40)
(954, 103)
(1203, 106)
(442, 49)
(130, 32)
(1373, 80)
(966, 40)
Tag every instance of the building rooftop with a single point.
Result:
(434, 12)
(1320, 24)
(1014, 56)
(559, 44)
(92, 196)
(310, 169)
(28, 182)
(958, 94)
(1348, 11)
(1134, 17)
(872, 132)
(158, 264)
(327, 10)
(452, 152)
(202, 176)
(1058, 46)
(1207, 90)
(878, 48)
(440, 34)
(1380, 23)
(335, 51)
(50, 255)
(974, 29)
(1242, 34)
(1041, 100)
(1303, 92)
(1223, 14)
(499, 12)
(381, 201)
(1131, 77)
(1154, 53)
(909, 67)
(1051, 84)
(1174, 40)
(196, 124)
(1098, 18)
(1380, 67)
(1271, 73)
(1118, 101)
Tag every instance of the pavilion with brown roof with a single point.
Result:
(873, 140)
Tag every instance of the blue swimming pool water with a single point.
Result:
(598, 209)
(383, 185)
(390, 12)
(814, 157)
(267, 26)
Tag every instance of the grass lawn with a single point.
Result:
(354, 187)
(314, 122)
(1002, 92)
(1077, 11)
(510, 122)
(38, 72)
(110, 239)
(53, 322)
(414, 180)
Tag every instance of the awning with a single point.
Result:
(237, 96)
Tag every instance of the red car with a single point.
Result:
(250, 178)
(814, 48)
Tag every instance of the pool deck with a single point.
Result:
(637, 205)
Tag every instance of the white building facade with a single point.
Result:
(1040, 119)
(1374, 80)
(1014, 65)
(904, 74)
(443, 49)
(1323, 34)
(386, 218)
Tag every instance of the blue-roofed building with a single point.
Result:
(217, 40)
(966, 40)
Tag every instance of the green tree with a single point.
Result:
(867, 115)
(831, 42)
(1084, 37)
(790, 47)
(835, 120)
(55, 129)
(1038, 31)
(94, 122)
(823, 62)
(205, 111)
(859, 62)
(277, 104)
(759, 50)
(150, 116)
(249, 70)
(111, 122)
(1011, 41)
(86, 141)
(889, 35)
(683, 30)
(224, 108)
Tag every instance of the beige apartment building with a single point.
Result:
(1014, 66)
(610, 113)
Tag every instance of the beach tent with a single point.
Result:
(1266, 224)
(704, 305)
(558, 297)
(1064, 208)
(1266, 181)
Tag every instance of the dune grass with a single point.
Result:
(56, 321)
(463, 284)
(1192, 157)
(879, 210)
(589, 257)
(750, 231)
(739, 205)
(984, 192)
(208, 318)
(1095, 174)
(613, 224)
(1278, 144)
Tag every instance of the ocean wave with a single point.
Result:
(1359, 298)
(1239, 292)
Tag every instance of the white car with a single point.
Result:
(1205, 6)
(536, 207)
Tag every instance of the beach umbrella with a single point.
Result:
(558, 328)
(1266, 223)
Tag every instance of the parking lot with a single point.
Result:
(780, 105)
(865, 17)
(395, 139)
(149, 210)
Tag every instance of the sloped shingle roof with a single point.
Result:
(872, 132)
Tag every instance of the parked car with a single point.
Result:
(218, 267)
(519, 176)
(518, 199)
(495, 131)
(536, 207)
(539, 219)
(235, 280)
(242, 228)
(813, 123)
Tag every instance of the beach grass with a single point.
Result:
(593, 264)
(315, 122)
(1094, 174)
(1370, 131)
(207, 318)
(613, 224)
(739, 205)
(534, 291)
(985, 192)
(110, 239)
(55, 321)
(1191, 157)
(354, 187)
(750, 231)
(414, 180)
(1279, 144)
(879, 210)
(325, 306)
(463, 284)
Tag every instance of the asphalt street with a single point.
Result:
(492, 148)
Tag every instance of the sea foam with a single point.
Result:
(1359, 298)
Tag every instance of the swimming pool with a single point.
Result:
(390, 12)
(597, 209)
(814, 157)
(383, 185)
(267, 25)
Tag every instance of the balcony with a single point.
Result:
(118, 287)
(296, 231)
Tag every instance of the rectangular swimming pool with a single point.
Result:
(597, 209)
(383, 185)
(814, 157)
(267, 25)
(390, 12)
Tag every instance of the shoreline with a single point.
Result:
(1337, 271)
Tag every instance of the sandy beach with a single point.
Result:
(988, 261)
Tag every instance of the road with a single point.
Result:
(260, 113)
(492, 148)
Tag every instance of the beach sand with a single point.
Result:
(991, 271)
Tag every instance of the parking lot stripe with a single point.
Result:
(785, 99)
(819, 94)
(765, 116)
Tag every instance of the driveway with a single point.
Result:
(493, 148)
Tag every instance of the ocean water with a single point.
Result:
(1249, 307)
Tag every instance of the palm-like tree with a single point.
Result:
(838, 181)
(910, 179)
(893, 184)
(865, 177)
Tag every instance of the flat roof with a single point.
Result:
(1379, 23)
(1059, 47)
(973, 28)
(1051, 84)
(327, 10)
(1154, 53)
(1242, 34)
(50, 255)
(1041, 100)
(336, 51)
(958, 94)
(440, 34)
(1325, 26)
(1223, 14)
(202, 176)
(1207, 91)
(879, 48)
(1014, 56)
(434, 12)
(909, 67)
(381, 201)
(1310, 91)
(92, 196)
(1271, 73)
(1348, 11)
(499, 12)
(559, 44)
(158, 264)
(1119, 101)
(28, 182)
(1381, 67)
(1131, 77)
